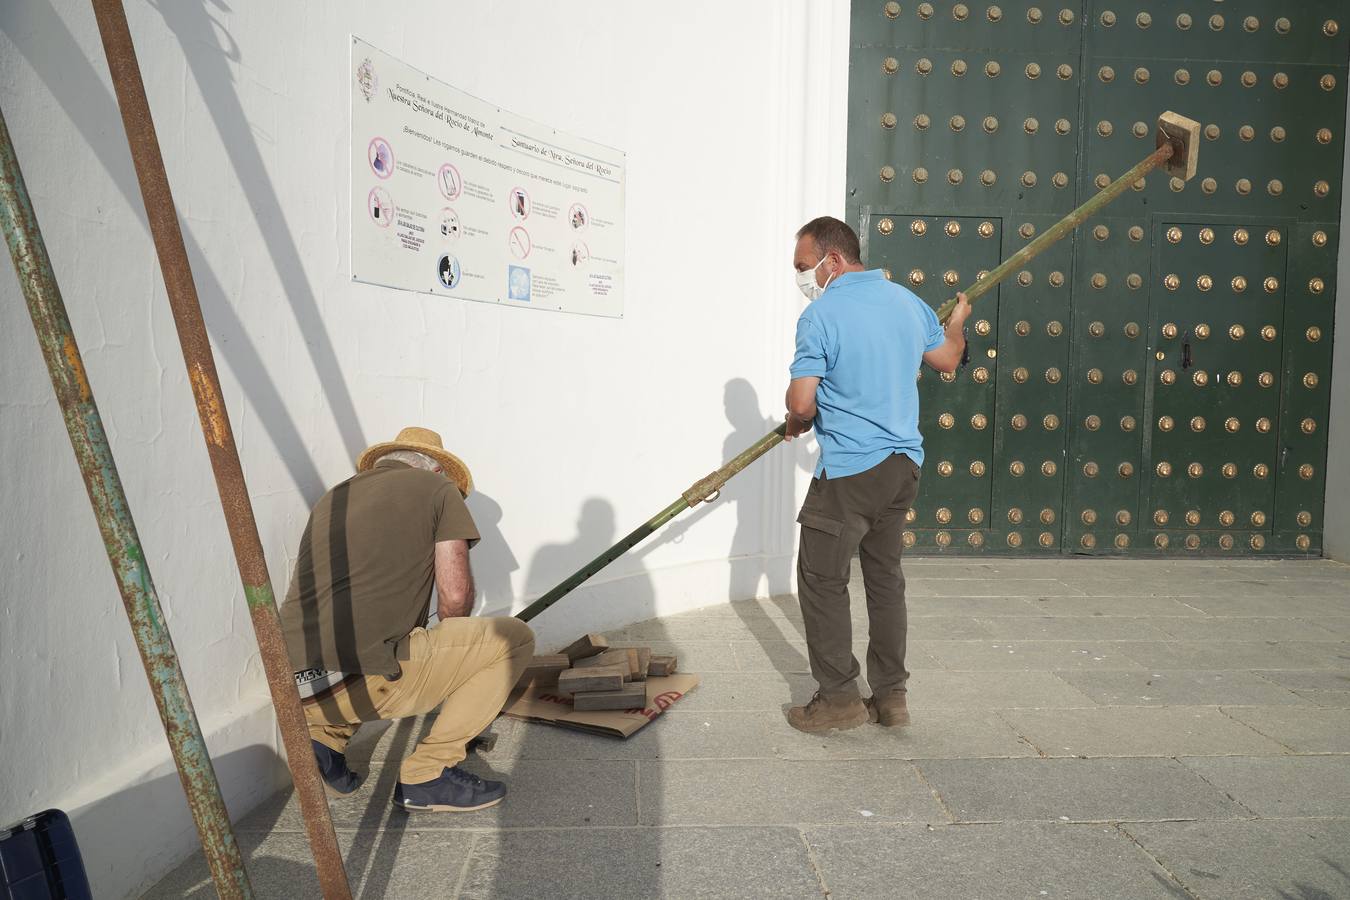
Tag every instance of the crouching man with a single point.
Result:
(355, 622)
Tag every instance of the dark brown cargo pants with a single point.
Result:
(862, 514)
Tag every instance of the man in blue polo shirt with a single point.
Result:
(859, 347)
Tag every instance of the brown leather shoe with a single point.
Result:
(822, 714)
(891, 710)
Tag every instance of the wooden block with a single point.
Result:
(543, 670)
(631, 696)
(585, 646)
(608, 658)
(661, 666)
(644, 659)
(592, 678)
(636, 671)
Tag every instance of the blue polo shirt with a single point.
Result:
(865, 339)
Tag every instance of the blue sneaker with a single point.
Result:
(457, 790)
(338, 780)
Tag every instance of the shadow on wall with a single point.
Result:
(38, 32)
(767, 522)
(764, 521)
(493, 561)
(112, 830)
(596, 531)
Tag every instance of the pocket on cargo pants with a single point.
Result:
(822, 545)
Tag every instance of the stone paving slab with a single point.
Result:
(1078, 790)
(1093, 862)
(922, 586)
(1078, 628)
(1108, 605)
(718, 629)
(1239, 654)
(778, 608)
(1292, 860)
(1329, 600)
(1181, 687)
(628, 864)
(1327, 699)
(1139, 731)
(1281, 787)
(932, 628)
(1150, 585)
(766, 735)
(1310, 679)
(1326, 688)
(1023, 655)
(737, 691)
(1246, 628)
(929, 689)
(1291, 597)
(751, 792)
(934, 734)
(773, 656)
(1302, 730)
(1337, 625)
(396, 863)
(786, 657)
(921, 607)
(574, 793)
(947, 690)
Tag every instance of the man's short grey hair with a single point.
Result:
(412, 458)
(832, 235)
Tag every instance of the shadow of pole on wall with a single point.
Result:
(493, 561)
(201, 39)
(40, 35)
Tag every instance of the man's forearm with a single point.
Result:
(953, 347)
(458, 602)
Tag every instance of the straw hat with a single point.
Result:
(421, 440)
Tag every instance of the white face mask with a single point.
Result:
(806, 281)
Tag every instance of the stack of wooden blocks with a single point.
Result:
(597, 675)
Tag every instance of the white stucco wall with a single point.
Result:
(577, 429)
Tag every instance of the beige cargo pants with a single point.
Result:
(467, 667)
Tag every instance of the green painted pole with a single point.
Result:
(90, 442)
(639, 535)
(708, 488)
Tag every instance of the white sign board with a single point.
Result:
(452, 195)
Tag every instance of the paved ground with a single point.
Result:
(1091, 729)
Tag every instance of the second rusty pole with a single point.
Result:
(215, 422)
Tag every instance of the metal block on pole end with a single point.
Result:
(1183, 135)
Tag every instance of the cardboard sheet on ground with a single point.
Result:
(545, 704)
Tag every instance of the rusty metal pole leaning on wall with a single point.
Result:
(109, 501)
(215, 422)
